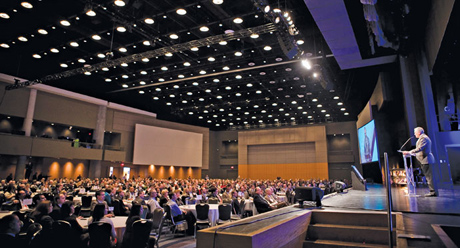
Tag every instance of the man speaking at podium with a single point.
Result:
(423, 154)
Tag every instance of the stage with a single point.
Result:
(448, 201)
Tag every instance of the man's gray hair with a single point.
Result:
(419, 129)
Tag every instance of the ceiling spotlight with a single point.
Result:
(267, 9)
(142, 82)
(238, 94)
(119, 3)
(319, 105)
(267, 48)
(168, 54)
(87, 73)
(181, 11)
(90, 12)
(149, 20)
(195, 84)
(141, 92)
(164, 68)
(108, 80)
(340, 103)
(104, 68)
(4, 15)
(121, 29)
(238, 53)
(204, 29)
(4, 45)
(222, 43)
(314, 100)
(217, 1)
(238, 77)
(186, 63)
(65, 23)
(202, 72)
(143, 72)
(146, 60)
(254, 36)
(64, 65)
(225, 68)
(54, 50)
(315, 75)
(238, 20)
(122, 49)
(211, 59)
(174, 36)
(180, 76)
(216, 80)
(156, 98)
(346, 113)
(300, 42)
(27, 5)
(22, 38)
(323, 111)
(194, 49)
(124, 64)
(276, 10)
(42, 31)
(96, 37)
(124, 86)
(306, 64)
(125, 76)
(37, 56)
(74, 44)
(249, 85)
(146, 43)
(336, 97)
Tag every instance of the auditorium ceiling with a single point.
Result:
(222, 64)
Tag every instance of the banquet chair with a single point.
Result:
(158, 219)
(141, 233)
(170, 219)
(85, 209)
(25, 239)
(202, 216)
(99, 235)
(62, 233)
(225, 211)
(145, 211)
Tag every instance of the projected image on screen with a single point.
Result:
(368, 143)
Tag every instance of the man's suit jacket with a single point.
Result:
(423, 150)
(261, 204)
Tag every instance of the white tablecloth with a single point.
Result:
(119, 223)
(213, 214)
(5, 213)
(77, 200)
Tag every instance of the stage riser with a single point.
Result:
(357, 234)
(356, 219)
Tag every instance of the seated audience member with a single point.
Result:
(227, 193)
(272, 199)
(99, 215)
(58, 201)
(131, 194)
(100, 195)
(152, 202)
(204, 196)
(19, 200)
(134, 214)
(109, 195)
(67, 214)
(215, 195)
(259, 201)
(41, 215)
(178, 197)
(139, 198)
(179, 215)
(37, 199)
(10, 226)
(164, 197)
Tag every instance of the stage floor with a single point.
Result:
(448, 201)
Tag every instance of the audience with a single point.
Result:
(98, 215)
(10, 226)
(134, 214)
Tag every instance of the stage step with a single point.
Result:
(341, 244)
(348, 229)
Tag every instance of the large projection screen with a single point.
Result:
(163, 146)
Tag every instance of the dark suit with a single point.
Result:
(8, 240)
(262, 205)
(423, 154)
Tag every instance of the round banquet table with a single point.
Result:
(119, 223)
(213, 214)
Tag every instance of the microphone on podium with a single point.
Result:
(400, 149)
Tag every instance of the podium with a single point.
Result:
(409, 175)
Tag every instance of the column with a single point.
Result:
(27, 128)
(96, 165)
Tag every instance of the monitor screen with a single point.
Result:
(368, 143)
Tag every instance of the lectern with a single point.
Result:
(409, 175)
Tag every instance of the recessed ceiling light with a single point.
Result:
(168, 103)
(87, 73)
(74, 44)
(216, 80)
(276, 10)
(195, 83)
(90, 12)
(189, 93)
(4, 45)
(124, 64)
(142, 82)
(4, 15)
(146, 43)
(208, 91)
(238, 94)
(249, 85)
(212, 59)
(254, 36)
(204, 29)
(64, 65)
(143, 72)
(181, 11)
(238, 20)
(238, 53)
(306, 64)
(174, 36)
(42, 31)
(238, 77)
(164, 68)
(186, 63)
(158, 89)
(125, 76)
(219, 97)
(300, 42)
(299, 107)
(274, 104)
(202, 72)
(267, 9)
(122, 49)
(319, 105)
(27, 5)
(336, 97)
(149, 20)
(218, 1)
(315, 75)
(156, 98)
(238, 108)
(22, 38)
(121, 29)
(201, 99)
(180, 76)
(96, 37)
(37, 56)
(340, 103)
(314, 100)
(65, 23)
(160, 80)
(194, 49)
(346, 113)
(120, 3)
(54, 50)
(267, 48)
(342, 109)
(168, 54)
(225, 68)
(172, 96)
(228, 88)
(108, 80)
(256, 106)
(258, 92)
(323, 111)
(222, 42)
(124, 86)
(103, 68)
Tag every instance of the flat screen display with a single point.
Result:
(367, 138)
